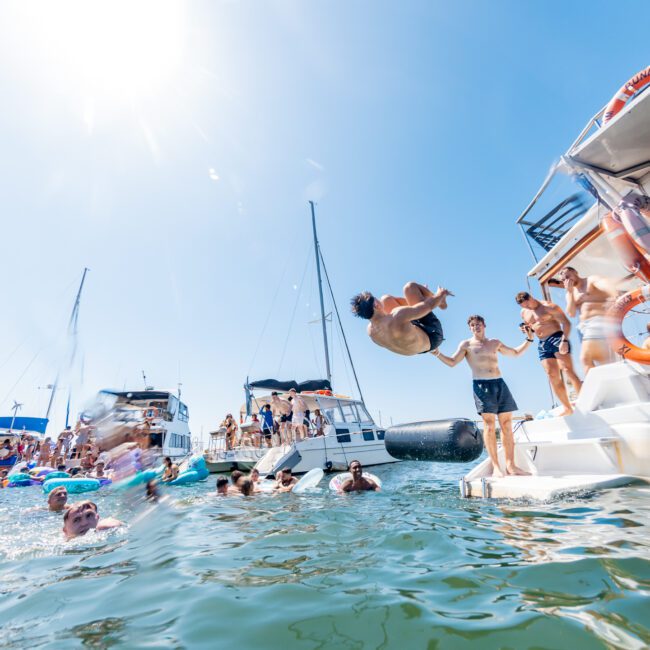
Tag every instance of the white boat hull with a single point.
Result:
(605, 443)
(226, 461)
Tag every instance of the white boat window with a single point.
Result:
(364, 416)
(183, 412)
(333, 415)
(172, 405)
(349, 413)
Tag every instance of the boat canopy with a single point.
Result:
(285, 386)
(139, 395)
(18, 424)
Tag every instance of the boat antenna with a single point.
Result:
(345, 340)
(320, 293)
(72, 330)
(144, 379)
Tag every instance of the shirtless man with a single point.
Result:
(552, 327)
(298, 419)
(491, 394)
(591, 297)
(403, 325)
(358, 482)
(282, 408)
(57, 499)
(82, 517)
(285, 481)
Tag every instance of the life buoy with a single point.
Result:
(629, 89)
(623, 244)
(617, 311)
(630, 211)
(151, 412)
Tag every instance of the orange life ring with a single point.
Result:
(623, 244)
(151, 412)
(630, 88)
(617, 311)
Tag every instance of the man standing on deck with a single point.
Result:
(552, 327)
(491, 394)
(404, 325)
(591, 297)
(282, 409)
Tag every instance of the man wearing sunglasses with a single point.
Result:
(552, 328)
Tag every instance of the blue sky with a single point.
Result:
(172, 148)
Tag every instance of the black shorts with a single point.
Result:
(432, 327)
(493, 396)
(286, 418)
(267, 433)
(546, 348)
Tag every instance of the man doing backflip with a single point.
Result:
(404, 325)
(491, 394)
(552, 327)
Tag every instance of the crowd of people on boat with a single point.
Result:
(406, 325)
(281, 421)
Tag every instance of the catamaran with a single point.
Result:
(606, 441)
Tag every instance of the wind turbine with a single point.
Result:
(15, 408)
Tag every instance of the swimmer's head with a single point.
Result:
(79, 519)
(355, 468)
(363, 305)
(222, 485)
(57, 499)
(246, 487)
(235, 476)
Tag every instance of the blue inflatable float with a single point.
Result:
(196, 471)
(72, 485)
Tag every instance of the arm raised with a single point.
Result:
(456, 358)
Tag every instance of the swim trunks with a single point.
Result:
(432, 327)
(546, 348)
(298, 417)
(596, 328)
(493, 396)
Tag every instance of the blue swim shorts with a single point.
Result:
(546, 348)
(493, 396)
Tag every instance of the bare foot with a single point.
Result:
(513, 470)
(568, 411)
(496, 471)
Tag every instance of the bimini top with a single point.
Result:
(285, 386)
(139, 395)
(18, 424)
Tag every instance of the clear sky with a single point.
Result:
(172, 149)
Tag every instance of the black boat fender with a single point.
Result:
(450, 441)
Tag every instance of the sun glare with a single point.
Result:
(117, 52)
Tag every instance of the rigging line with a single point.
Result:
(293, 313)
(20, 345)
(345, 363)
(338, 316)
(21, 376)
(270, 310)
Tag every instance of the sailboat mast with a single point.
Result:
(320, 293)
(72, 329)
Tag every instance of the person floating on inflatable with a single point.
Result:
(358, 482)
(405, 325)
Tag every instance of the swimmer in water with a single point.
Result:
(404, 325)
(222, 486)
(57, 499)
(285, 481)
(358, 482)
(81, 517)
(235, 480)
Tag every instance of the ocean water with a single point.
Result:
(414, 566)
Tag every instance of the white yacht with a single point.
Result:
(167, 416)
(606, 441)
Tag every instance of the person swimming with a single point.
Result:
(358, 482)
(83, 516)
(405, 325)
(57, 499)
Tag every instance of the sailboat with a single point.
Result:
(349, 432)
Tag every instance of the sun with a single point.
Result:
(117, 52)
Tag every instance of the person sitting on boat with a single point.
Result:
(405, 325)
(267, 425)
(285, 481)
(7, 449)
(358, 482)
(591, 298)
(282, 409)
(57, 499)
(83, 516)
(230, 426)
(319, 423)
(222, 486)
(491, 393)
(298, 417)
(552, 328)
(170, 473)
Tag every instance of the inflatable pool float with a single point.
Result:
(41, 471)
(56, 474)
(196, 471)
(337, 482)
(72, 485)
(139, 478)
(21, 480)
(310, 480)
